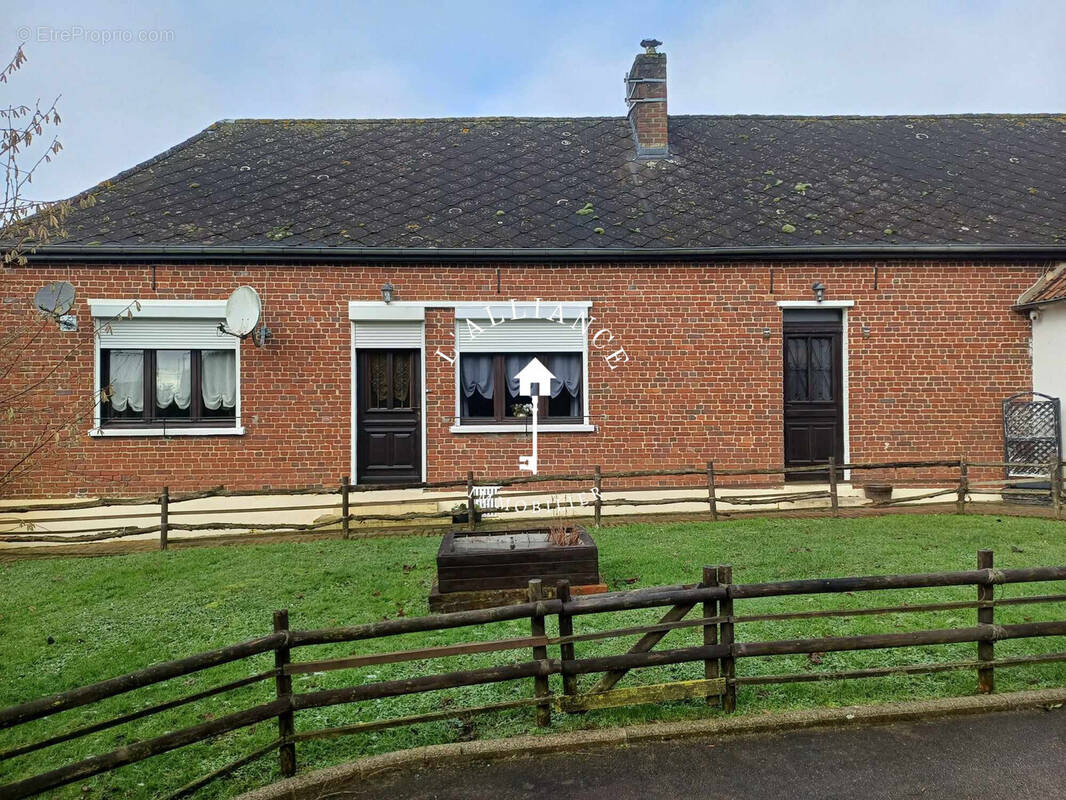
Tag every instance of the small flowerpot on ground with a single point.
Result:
(878, 492)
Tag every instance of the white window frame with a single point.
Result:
(370, 311)
(843, 306)
(103, 310)
(573, 312)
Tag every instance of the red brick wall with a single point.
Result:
(702, 382)
(649, 119)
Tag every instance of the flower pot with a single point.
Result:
(878, 492)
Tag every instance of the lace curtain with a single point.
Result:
(173, 378)
(127, 380)
(566, 367)
(512, 365)
(476, 374)
(218, 379)
(379, 380)
(401, 381)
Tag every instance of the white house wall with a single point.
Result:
(1049, 352)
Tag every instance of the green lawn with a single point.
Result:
(69, 622)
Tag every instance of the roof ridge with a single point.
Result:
(1056, 115)
(388, 120)
(1060, 115)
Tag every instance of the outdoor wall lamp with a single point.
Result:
(865, 331)
(819, 290)
(386, 292)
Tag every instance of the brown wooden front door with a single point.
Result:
(814, 390)
(388, 416)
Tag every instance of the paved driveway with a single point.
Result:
(1015, 755)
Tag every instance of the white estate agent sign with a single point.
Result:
(531, 378)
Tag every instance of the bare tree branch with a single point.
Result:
(29, 360)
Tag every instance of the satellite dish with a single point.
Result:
(55, 299)
(242, 311)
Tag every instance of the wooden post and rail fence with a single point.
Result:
(109, 525)
(717, 671)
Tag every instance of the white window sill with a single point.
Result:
(541, 429)
(160, 431)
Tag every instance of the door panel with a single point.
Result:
(813, 394)
(388, 439)
(797, 444)
(404, 452)
(824, 442)
(377, 447)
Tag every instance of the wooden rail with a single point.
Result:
(706, 494)
(716, 661)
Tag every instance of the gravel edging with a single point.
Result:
(523, 746)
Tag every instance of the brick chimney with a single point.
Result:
(646, 98)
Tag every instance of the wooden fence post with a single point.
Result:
(164, 514)
(345, 508)
(566, 628)
(597, 479)
(1056, 489)
(964, 485)
(540, 653)
(283, 683)
(710, 632)
(986, 651)
(471, 506)
(729, 664)
(711, 499)
(834, 498)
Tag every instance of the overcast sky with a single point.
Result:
(124, 99)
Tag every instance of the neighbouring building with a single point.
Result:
(1045, 305)
(755, 290)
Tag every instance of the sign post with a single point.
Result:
(531, 378)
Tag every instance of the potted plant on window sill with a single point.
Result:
(522, 410)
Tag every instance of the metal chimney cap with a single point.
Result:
(649, 45)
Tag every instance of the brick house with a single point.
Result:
(749, 289)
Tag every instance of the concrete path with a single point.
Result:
(1020, 755)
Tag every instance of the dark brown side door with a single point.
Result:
(388, 416)
(813, 388)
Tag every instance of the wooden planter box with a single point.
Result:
(476, 562)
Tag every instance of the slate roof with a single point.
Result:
(729, 181)
(1051, 288)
